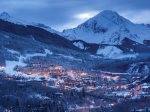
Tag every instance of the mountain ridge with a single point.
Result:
(108, 27)
(7, 17)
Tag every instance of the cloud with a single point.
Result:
(86, 15)
(62, 14)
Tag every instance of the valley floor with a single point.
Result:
(53, 88)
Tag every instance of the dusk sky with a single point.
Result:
(62, 14)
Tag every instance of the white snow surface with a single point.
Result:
(13, 51)
(114, 53)
(10, 65)
(109, 51)
(108, 27)
(79, 45)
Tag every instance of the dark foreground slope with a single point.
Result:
(37, 33)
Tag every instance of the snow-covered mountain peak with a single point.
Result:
(108, 27)
(108, 14)
(5, 16)
(113, 16)
(105, 20)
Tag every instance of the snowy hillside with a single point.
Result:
(6, 17)
(108, 27)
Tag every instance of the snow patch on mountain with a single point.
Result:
(109, 51)
(113, 53)
(79, 45)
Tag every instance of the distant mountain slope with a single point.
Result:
(108, 27)
(37, 33)
(6, 17)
